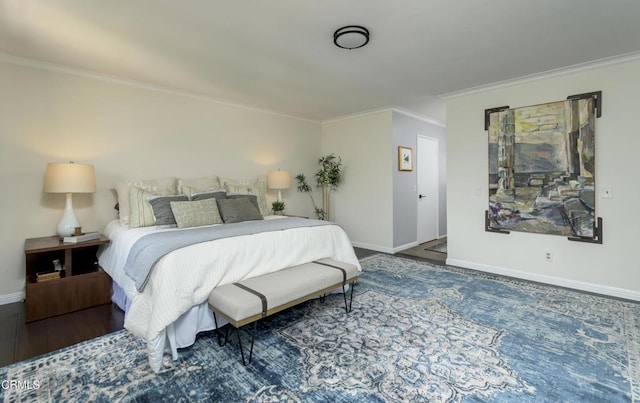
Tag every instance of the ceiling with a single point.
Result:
(279, 55)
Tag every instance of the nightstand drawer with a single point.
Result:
(68, 294)
(84, 284)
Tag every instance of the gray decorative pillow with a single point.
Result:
(162, 208)
(212, 194)
(258, 188)
(195, 213)
(237, 210)
(252, 198)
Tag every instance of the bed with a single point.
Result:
(171, 309)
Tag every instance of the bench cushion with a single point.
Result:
(280, 288)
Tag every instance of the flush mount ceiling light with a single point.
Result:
(351, 37)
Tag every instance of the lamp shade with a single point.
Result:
(279, 180)
(70, 178)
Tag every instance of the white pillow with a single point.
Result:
(243, 187)
(189, 186)
(161, 187)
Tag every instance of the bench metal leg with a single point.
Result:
(215, 320)
(353, 288)
(344, 293)
(255, 324)
(240, 344)
(226, 338)
(226, 333)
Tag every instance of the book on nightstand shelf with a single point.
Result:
(89, 236)
(46, 276)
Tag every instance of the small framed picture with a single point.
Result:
(405, 159)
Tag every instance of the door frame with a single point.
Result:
(437, 187)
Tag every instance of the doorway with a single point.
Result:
(428, 177)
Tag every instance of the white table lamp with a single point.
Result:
(279, 180)
(69, 178)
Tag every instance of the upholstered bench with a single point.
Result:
(249, 300)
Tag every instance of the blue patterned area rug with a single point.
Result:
(417, 332)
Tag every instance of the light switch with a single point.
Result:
(607, 193)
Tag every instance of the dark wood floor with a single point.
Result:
(20, 341)
(362, 253)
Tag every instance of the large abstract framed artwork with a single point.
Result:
(542, 169)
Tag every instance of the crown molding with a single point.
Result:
(357, 114)
(64, 69)
(576, 68)
(418, 116)
(376, 111)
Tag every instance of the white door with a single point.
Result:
(428, 178)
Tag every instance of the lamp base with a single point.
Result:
(68, 221)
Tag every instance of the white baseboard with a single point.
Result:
(11, 298)
(541, 278)
(384, 249)
(405, 246)
(376, 248)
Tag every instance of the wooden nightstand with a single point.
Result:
(84, 284)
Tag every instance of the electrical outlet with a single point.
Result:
(548, 256)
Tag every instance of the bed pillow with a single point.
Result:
(141, 214)
(195, 213)
(257, 188)
(189, 186)
(162, 208)
(214, 194)
(252, 198)
(164, 186)
(238, 210)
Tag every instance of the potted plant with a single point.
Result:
(328, 177)
(278, 207)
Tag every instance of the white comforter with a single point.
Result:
(184, 278)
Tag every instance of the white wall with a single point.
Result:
(405, 197)
(377, 204)
(127, 132)
(611, 268)
(363, 205)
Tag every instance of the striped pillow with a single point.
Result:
(164, 186)
(141, 213)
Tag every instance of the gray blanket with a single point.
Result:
(146, 251)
